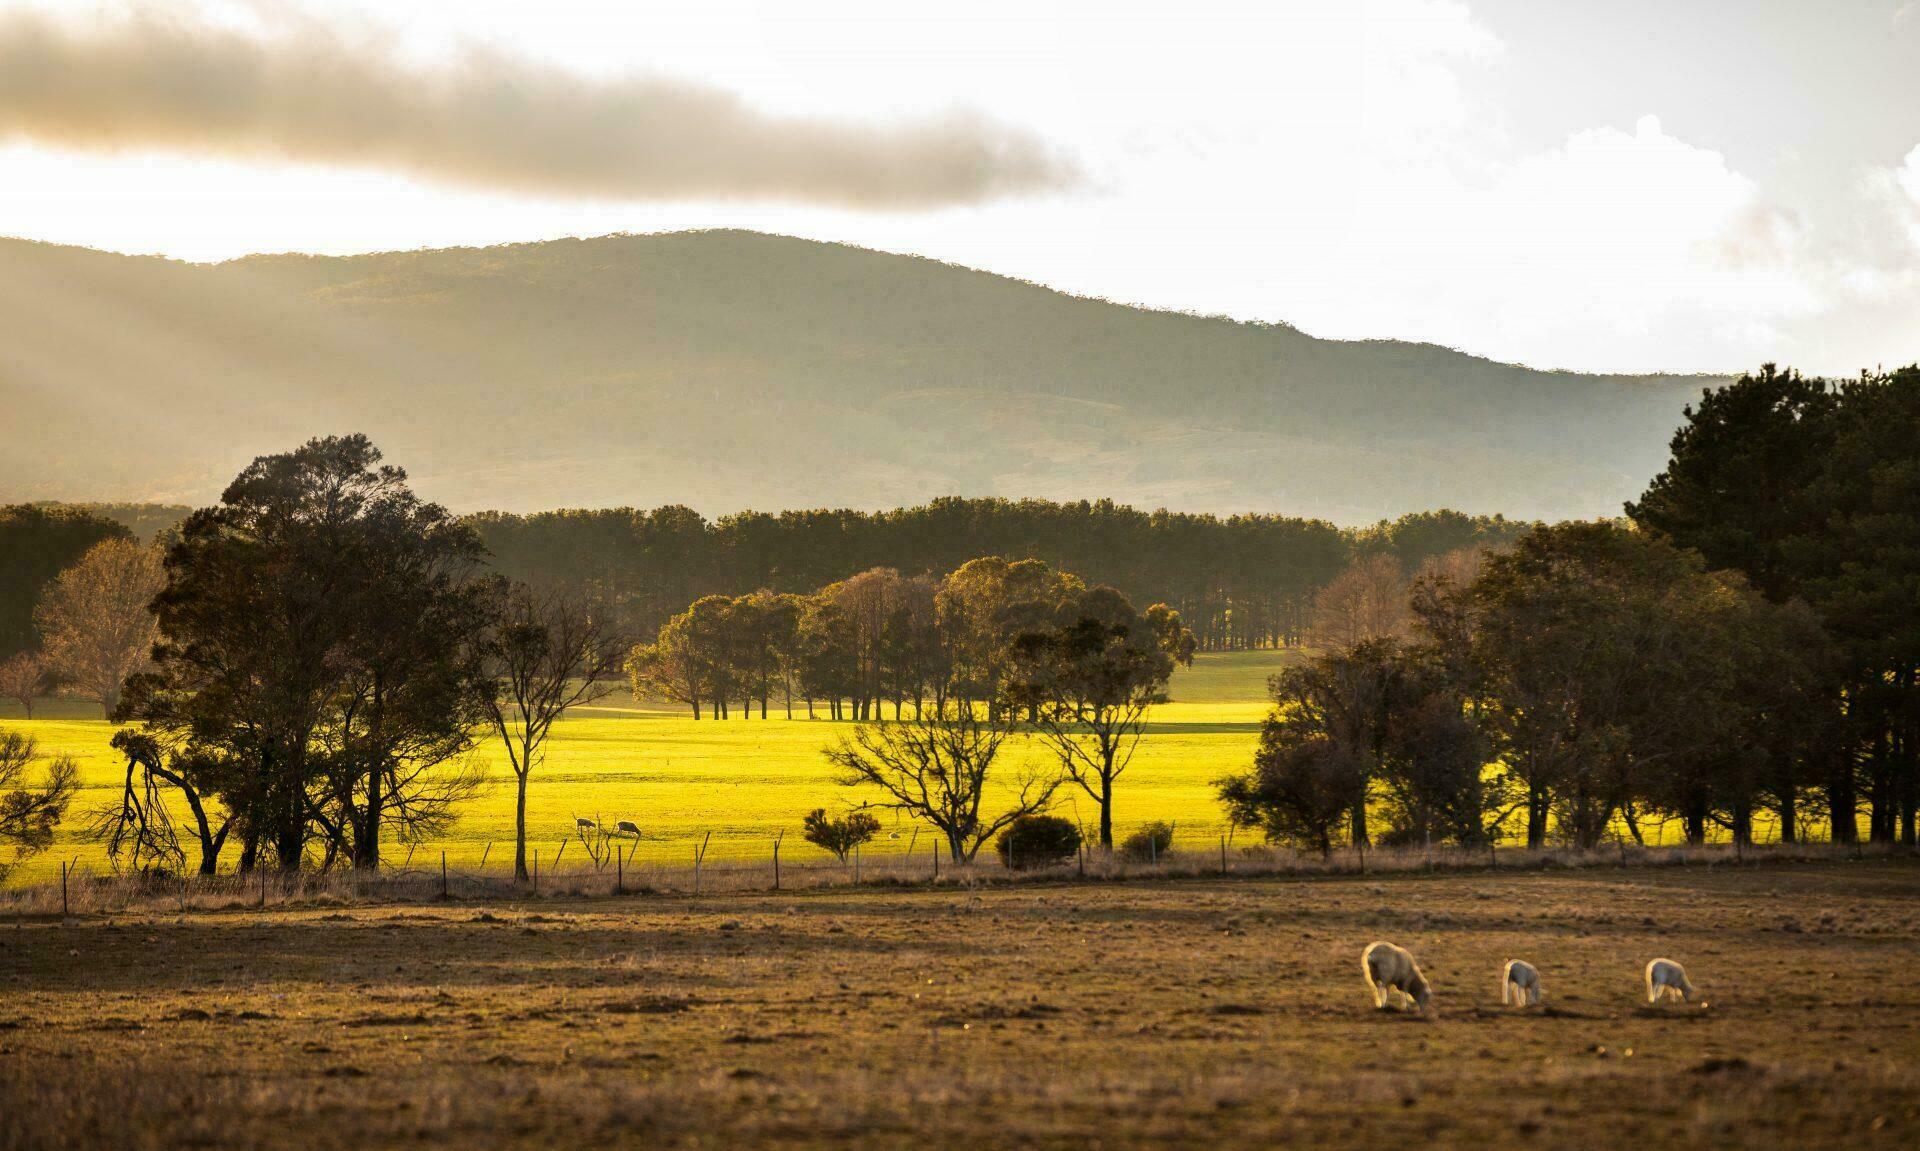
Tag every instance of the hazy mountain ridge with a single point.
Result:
(729, 369)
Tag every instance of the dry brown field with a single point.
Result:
(1170, 1013)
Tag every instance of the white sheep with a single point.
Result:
(1520, 984)
(1667, 978)
(628, 827)
(1391, 969)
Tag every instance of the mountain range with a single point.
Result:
(726, 370)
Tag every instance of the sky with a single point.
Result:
(1627, 185)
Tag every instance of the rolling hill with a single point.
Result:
(730, 369)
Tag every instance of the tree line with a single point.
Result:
(1745, 645)
(1239, 582)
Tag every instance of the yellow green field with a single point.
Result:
(742, 780)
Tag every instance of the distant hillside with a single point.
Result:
(730, 369)
(145, 521)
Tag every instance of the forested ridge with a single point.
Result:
(726, 370)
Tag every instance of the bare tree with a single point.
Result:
(28, 814)
(94, 624)
(1367, 601)
(935, 767)
(25, 677)
(548, 653)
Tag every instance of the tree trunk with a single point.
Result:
(1536, 816)
(520, 830)
(366, 851)
(1694, 820)
(1843, 806)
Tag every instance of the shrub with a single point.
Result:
(1037, 841)
(1148, 844)
(839, 836)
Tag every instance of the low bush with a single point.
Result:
(1035, 841)
(1149, 844)
(839, 836)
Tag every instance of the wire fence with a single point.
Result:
(81, 891)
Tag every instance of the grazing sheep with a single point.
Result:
(1520, 984)
(1667, 978)
(627, 827)
(581, 823)
(1391, 969)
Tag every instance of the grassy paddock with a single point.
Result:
(745, 781)
(1202, 1012)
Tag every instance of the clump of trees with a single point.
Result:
(1747, 647)
(328, 649)
(954, 666)
(37, 543)
(1808, 488)
(1590, 677)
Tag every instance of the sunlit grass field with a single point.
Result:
(743, 781)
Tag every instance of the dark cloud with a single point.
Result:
(485, 120)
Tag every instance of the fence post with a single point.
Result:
(936, 862)
(484, 854)
(856, 865)
(1493, 856)
(536, 871)
(63, 889)
(1080, 856)
(619, 872)
(443, 874)
(1223, 855)
(776, 863)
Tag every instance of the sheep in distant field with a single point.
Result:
(1666, 978)
(627, 827)
(1391, 969)
(585, 825)
(1520, 984)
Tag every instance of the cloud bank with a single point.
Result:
(484, 120)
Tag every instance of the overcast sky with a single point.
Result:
(1599, 184)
